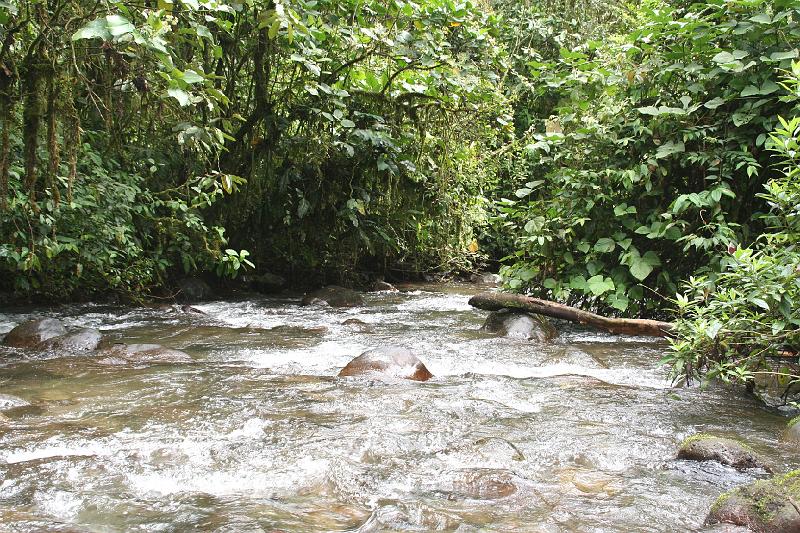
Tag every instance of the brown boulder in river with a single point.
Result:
(390, 362)
(334, 296)
(29, 334)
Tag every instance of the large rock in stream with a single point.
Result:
(519, 325)
(393, 362)
(334, 296)
(766, 506)
(725, 451)
(78, 341)
(30, 334)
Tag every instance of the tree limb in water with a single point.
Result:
(494, 301)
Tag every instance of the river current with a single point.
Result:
(257, 434)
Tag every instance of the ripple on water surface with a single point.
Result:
(257, 433)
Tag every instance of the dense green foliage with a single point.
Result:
(104, 173)
(648, 167)
(746, 321)
(364, 142)
(355, 133)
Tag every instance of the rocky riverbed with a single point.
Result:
(256, 430)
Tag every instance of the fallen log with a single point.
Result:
(494, 301)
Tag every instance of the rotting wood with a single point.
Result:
(494, 301)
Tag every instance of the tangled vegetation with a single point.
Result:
(610, 155)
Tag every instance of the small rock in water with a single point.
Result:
(382, 286)
(358, 325)
(390, 362)
(766, 506)
(145, 353)
(333, 296)
(519, 325)
(725, 451)
(31, 333)
(81, 340)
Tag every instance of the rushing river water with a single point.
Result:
(258, 433)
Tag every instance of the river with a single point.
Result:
(257, 434)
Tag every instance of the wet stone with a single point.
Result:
(33, 332)
(358, 325)
(382, 286)
(519, 325)
(81, 340)
(392, 362)
(333, 296)
(722, 450)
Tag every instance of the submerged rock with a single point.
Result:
(766, 506)
(81, 340)
(334, 296)
(29, 334)
(390, 362)
(144, 353)
(519, 325)
(725, 451)
(484, 484)
(358, 325)
(194, 290)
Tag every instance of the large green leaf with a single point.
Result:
(599, 285)
(93, 30)
(640, 269)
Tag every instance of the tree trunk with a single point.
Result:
(494, 301)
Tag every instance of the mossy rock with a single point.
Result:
(792, 433)
(766, 506)
(728, 452)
